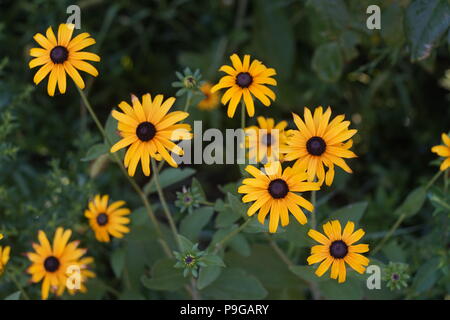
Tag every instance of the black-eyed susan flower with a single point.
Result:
(149, 131)
(264, 141)
(319, 142)
(107, 220)
(211, 100)
(4, 258)
(337, 249)
(61, 55)
(443, 151)
(52, 262)
(244, 81)
(273, 191)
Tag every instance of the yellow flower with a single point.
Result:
(211, 100)
(244, 80)
(318, 142)
(443, 151)
(52, 264)
(60, 55)
(273, 190)
(264, 141)
(4, 258)
(150, 130)
(337, 248)
(82, 266)
(107, 220)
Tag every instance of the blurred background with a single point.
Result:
(393, 84)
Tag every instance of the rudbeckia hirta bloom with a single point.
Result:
(273, 191)
(52, 262)
(244, 81)
(107, 220)
(264, 141)
(149, 130)
(337, 249)
(443, 151)
(211, 100)
(61, 55)
(4, 258)
(319, 142)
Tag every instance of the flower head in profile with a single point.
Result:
(443, 151)
(273, 191)
(148, 130)
(52, 263)
(246, 80)
(60, 55)
(319, 143)
(211, 100)
(264, 140)
(4, 257)
(337, 248)
(107, 220)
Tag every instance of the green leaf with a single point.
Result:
(426, 276)
(254, 226)
(226, 216)
(186, 244)
(306, 273)
(193, 223)
(240, 244)
(13, 296)
(351, 289)
(196, 184)
(236, 205)
(169, 177)
(96, 151)
(165, 277)
(118, 261)
(111, 129)
(426, 21)
(327, 62)
(296, 234)
(207, 276)
(235, 283)
(352, 212)
(413, 202)
(272, 23)
(212, 260)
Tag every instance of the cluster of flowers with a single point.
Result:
(148, 131)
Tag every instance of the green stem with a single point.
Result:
(242, 114)
(188, 101)
(166, 209)
(138, 190)
(401, 218)
(18, 285)
(314, 213)
(230, 235)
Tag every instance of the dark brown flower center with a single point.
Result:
(102, 219)
(59, 54)
(51, 264)
(316, 146)
(244, 79)
(268, 139)
(278, 188)
(338, 249)
(145, 131)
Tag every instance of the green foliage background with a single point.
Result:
(392, 83)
